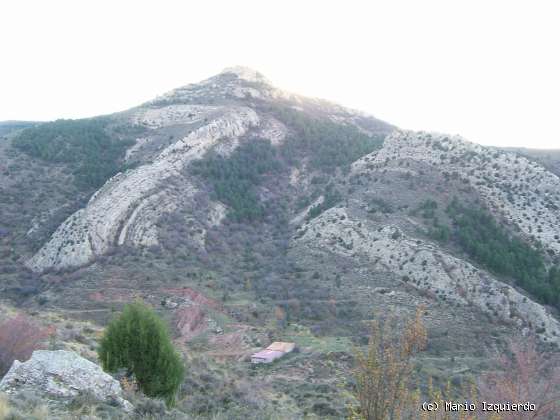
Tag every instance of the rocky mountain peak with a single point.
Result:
(233, 82)
(246, 73)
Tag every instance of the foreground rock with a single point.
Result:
(62, 374)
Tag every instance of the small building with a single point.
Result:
(282, 346)
(275, 351)
(266, 356)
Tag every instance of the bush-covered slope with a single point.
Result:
(7, 127)
(84, 145)
(327, 144)
(489, 244)
(234, 178)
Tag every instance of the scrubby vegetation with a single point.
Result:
(260, 285)
(426, 209)
(330, 198)
(235, 178)
(384, 372)
(328, 144)
(84, 145)
(25, 407)
(525, 374)
(7, 127)
(19, 337)
(489, 244)
(438, 231)
(386, 379)
(139, 341)
(377, 204)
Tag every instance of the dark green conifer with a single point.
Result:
(139, 341)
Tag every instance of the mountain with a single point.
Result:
(248, 214)
(173, 131)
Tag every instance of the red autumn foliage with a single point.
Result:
(19, 337)
(526, 375)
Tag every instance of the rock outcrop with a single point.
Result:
(127, 207)
(177, 128)
(522, 192)
(60, 375)
(428, 268)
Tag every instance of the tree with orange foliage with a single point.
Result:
(281, 316)
(19, 337)
(526, 375)
(383, 373)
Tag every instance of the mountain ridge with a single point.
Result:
(246, 215)
(225, 122)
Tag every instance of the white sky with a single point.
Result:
(488, 70)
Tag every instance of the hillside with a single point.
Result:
(6, 127)
(550, 159)
(247, 214)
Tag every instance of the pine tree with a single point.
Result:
(139, 341)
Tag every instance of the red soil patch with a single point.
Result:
(195, 297)
(96, 297)
(231, 344)
(190, 321)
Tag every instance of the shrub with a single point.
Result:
(25, 405)
(378, 204)
(139, 341)
(383, 372)
(525, 374)
(4, 407)
(148, 408)
(19, 337)
(331, 198)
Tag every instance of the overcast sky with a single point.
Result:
(488, 70)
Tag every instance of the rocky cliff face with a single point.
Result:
(127, 207)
